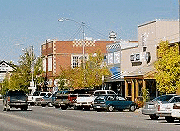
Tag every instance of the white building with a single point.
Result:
(134, 68)
(5, 68)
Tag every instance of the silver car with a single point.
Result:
(151, 108)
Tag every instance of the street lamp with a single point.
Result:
(81, 24)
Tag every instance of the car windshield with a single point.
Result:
(42, 94)
(175, 99)
(163, 98)
(100, 98)
(15, 93)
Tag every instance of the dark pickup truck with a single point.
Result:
(16, 99)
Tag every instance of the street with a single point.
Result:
(49, 118)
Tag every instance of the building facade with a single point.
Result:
(136, 60)
(5, 68)
(66, 54)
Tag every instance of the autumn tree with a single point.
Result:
(168, 67)
(88, 75)
(21, 76)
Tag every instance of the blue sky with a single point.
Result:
(30, 22)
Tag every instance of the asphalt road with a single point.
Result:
(49, 118)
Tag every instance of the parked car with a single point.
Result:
(104, 92)
(0, 96)
(61, 100)
(84, 101)
(47, 100)
(176, 111)
(16, 99)
(165, 108)
(113, 102)
(151, 108)
(35, 99)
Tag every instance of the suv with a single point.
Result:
(17, 99)
(151, 108)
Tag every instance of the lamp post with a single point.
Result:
(81, 24)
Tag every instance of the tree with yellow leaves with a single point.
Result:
(88, 75)
(168, 67)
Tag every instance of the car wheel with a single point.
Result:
(98, 110)
(50, 105)
(4, 107)
(110, 108)
(132, 108)
(7, 109)
(24, 109)
(63, 107)
(121, 110)
(57, 106)
(86, 108)
(169, 119)
(154, 117)
(43, 105)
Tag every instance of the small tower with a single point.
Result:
(112, 36)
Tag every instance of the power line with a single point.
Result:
(77, 31)
(99, 34)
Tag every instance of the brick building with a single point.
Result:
(66, 53)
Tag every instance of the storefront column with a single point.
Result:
(144, 84)
(137, 88)
(132, 89)
(126, 88)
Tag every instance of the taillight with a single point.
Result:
(158, 107)
(8, 98)
(42, 99)
(176, 107)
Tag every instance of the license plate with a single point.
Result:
(98, 107)
(150, 106)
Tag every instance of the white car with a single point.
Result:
(165, 108)
(84, 101)
(176, 111)
(35, 99)
(104, 92)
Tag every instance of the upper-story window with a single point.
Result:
(3, 67)
(49, 63)
(49, 44)
(44, 64)
(76, 60)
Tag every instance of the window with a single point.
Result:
(110, 92)
(110, 58)
(137, 56)
(44, 47)
(50, 63)
(44, 64)
(76, 60)
(116, 57)
(49, 44)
